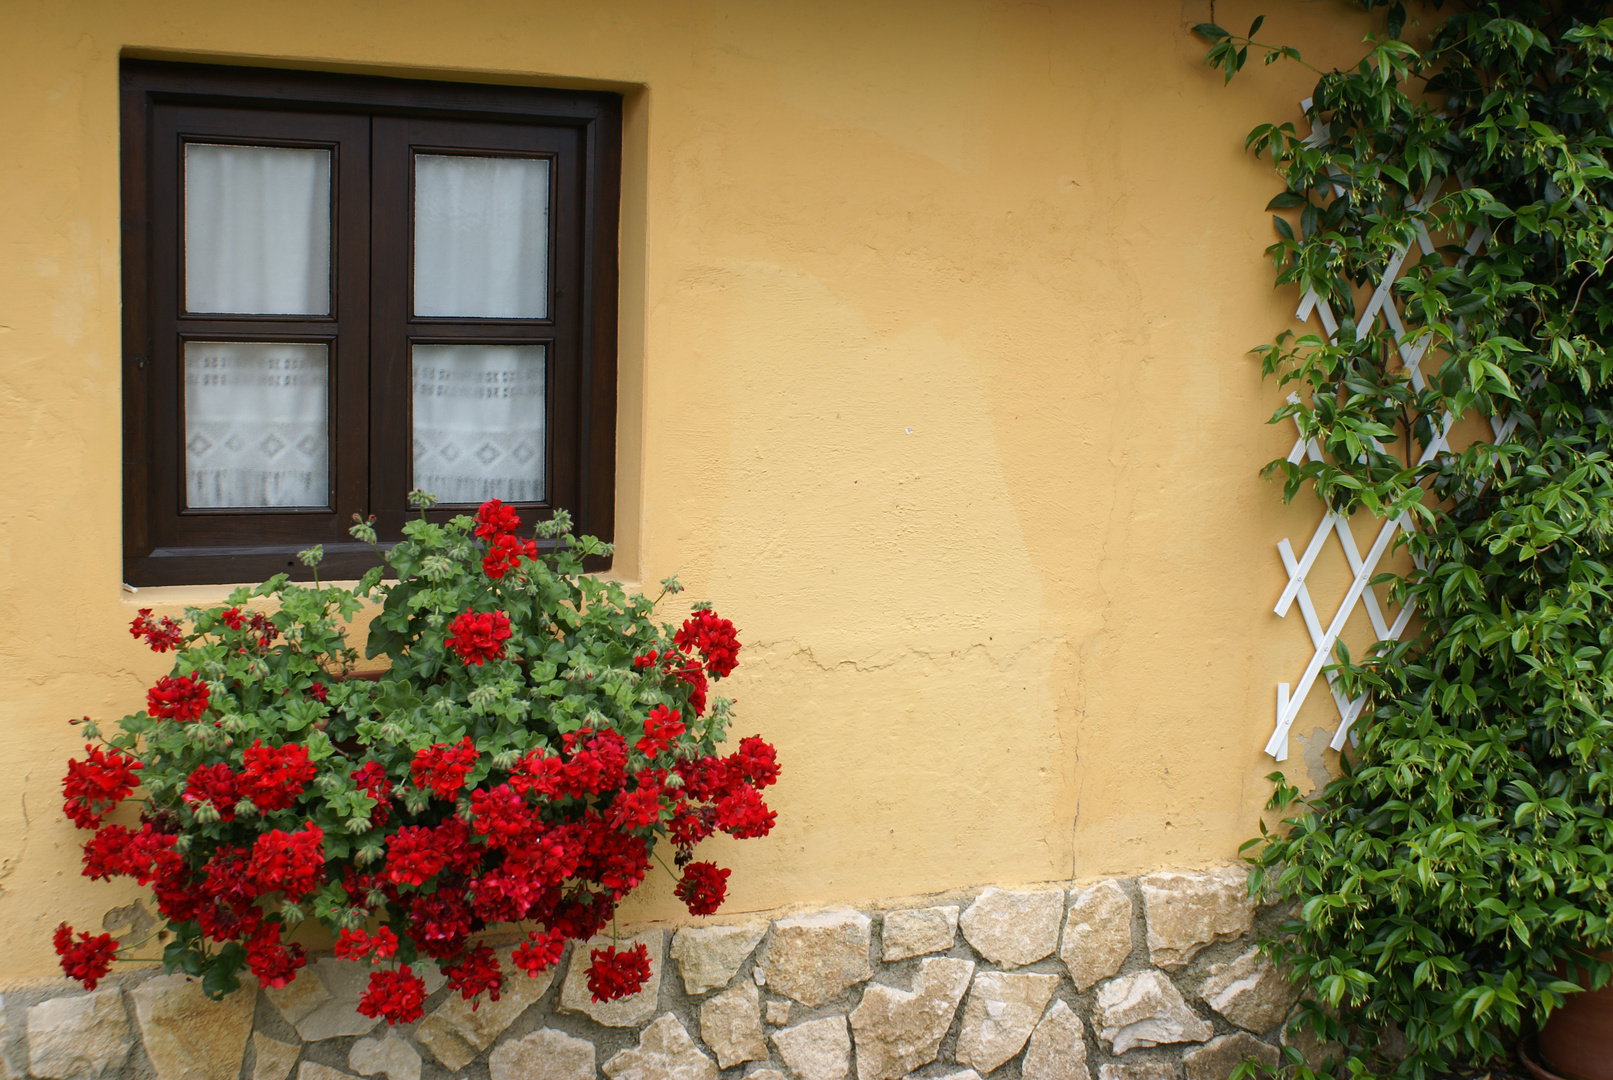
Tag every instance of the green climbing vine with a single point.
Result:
(1456, 880)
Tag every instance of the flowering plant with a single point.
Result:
(534, 738)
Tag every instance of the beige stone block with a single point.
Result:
(455, 1032)
(778, 1013)
(1014, 928)
(188, 1037)
(1216, 1059)
(999, 1016)
(814, 958)
(1250, 992)
(817, 1049)
(916, 931)
(898, 1031)
(310, 1070)
(78, 1038)
(664, 1052)
(629, 1011)
(709, 957)
(271, 1058)
(1139, 1070)
(1188, 912)
(546, 1054)
(1058, 1047)
(731, 1025)
(1146, 1009)
(1097, 934)
(391, 1055)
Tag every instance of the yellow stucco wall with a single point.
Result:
(933, 320)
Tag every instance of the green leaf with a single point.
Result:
(1210, 32)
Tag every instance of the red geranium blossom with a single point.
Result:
(94, 786)
(614, 973)
(371, 777)
(161, 634)
(479, 636)
(539, 952)
(110, 853)
(493, 518)
(702, 887)
(743, 814)
(660, 728)
(478, 971)
(412, 856)
(396, 995)
(357, 945)
(88, 959)
(215, 784)
(273, 776)
(291, 863)
(504, 553)
(441, 768)
(713, 637)
(274, 962)
(501, 815)
(756, 763)
(183, 698)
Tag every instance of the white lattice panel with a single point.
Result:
(1360, 567)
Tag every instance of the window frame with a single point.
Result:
(159, 548)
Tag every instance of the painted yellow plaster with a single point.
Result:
(934, 316)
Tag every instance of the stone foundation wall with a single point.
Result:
(1146, 979)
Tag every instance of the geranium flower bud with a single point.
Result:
(505, 759)
(292, 912)
(246, 808)
(206, 812)
(368, 853)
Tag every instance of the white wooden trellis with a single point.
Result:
(1290, 697)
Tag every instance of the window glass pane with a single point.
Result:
(481, 237)
(479, 422)
(257, 230)
(257, 427)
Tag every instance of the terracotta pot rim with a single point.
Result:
(1529, 1054)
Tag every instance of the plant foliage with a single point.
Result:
(1458, 875)
(536, 735)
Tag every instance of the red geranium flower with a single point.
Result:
(291, 863)
(371, 776)
(94, 786)
(743, 814)
(539, 952)
(273, 776)
(756, 763)
(441, 768)
(614, 974)
(478, 971)
(213, 783)
(504, 553)
(713, 637)
(396, 995)
(412, 856)
(493, 518)
(183, 698)
(357, 945)
(703, 887)
(161, 634)
(660, 728)
(88, 959)
(479, 636)
(274, 963)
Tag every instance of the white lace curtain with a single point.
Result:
(479, 422)
(256, 427)
(257, 242)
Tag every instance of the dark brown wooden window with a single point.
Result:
(339, 289)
